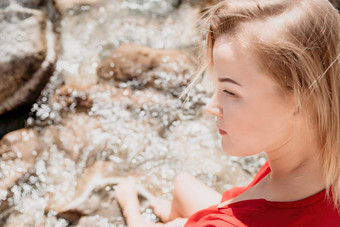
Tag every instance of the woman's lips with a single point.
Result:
(222, 132)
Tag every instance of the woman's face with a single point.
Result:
(253, 114)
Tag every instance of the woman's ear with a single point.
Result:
(297, 106)
(294, 103)
(296, 110)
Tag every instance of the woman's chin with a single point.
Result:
(233, 152)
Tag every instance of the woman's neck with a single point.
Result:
(296, 171)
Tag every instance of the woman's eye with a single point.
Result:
(229, 93)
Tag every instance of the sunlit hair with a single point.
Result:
(297, 42)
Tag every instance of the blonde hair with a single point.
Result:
(298, 43)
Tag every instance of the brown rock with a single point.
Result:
(73, 95)
(31, 3)
(23, 48)
(160, 68)
(27, 55)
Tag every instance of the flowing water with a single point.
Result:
(146, 132)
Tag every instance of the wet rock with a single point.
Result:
(30, 3)
(23, 47)
(27, 55)
(160, 68)
(18, 151)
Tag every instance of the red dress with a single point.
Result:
(311, 211)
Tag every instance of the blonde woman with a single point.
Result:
(277, 71)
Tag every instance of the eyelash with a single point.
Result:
(229, 93)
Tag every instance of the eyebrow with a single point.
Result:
(228, 80)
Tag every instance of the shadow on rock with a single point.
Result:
(27, 58)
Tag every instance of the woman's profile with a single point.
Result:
(276, 65)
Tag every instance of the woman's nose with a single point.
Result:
(213, 107)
